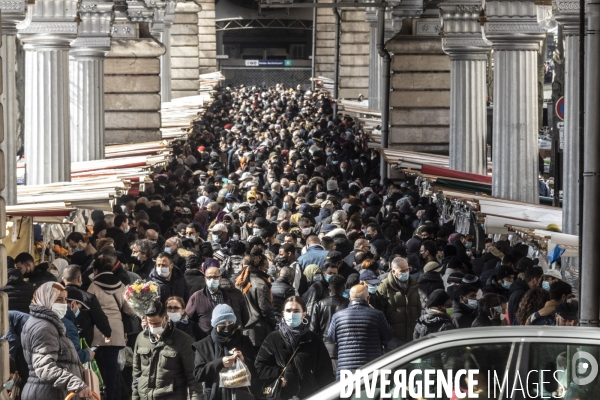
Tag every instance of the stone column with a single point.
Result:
(513, 29)
(164, 15)
(4, 370)
(86, 66)
(463, 41)
(47, 34)
(374, 61)
(12, 13)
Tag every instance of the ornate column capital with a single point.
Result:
(566, 13)
(512, 25)
(13, 12)
(50, 24)
(140, 11)
(463, 37)
(93, 35)
(393, 23)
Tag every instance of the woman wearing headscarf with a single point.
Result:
(57, 267)
(220, 350)
(310, 369)
(54, 367)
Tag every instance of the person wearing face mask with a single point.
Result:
(220, 349)
(110, 292)
(369, 278)
(163, 360)
(360, 331)
(402, 294)
(219, 234)
(73, 311)
(315, 253)
(362, 171)
(176, 313)
(549, 277)
(560, 292)
(501, 282)
(57, 268)
(170, 280)
(119, 234)
(490, 310)
(464, 306)
(532, 279)
(54, 366)
(200, 306)
(320, 287)
(82, 252)
(309, 366)
(36, 275)
(434, 317)
(18, 291)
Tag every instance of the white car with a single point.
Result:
(506, 362)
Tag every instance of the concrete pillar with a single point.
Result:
(160, 28)
(47, 34)
(464, 43)
(207, 37)
(513, 29)
(12, 13)
(374, 63)
(184, 76)
(86, 69)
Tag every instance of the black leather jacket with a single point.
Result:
(321, 318)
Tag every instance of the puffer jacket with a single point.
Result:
(54, 367)
(314, 255)
(360, 333)
(432, 321)
(110, 293)
(403, 309)
(517, 291)
(164, 368)
(428, 282)
(309, 371)
(18, 291)
(281, 290)
(176, 286)
(462, 315)
(261, 320)
(321, 316)
(491, 286)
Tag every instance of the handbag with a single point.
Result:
(91, 380)
(92, 366)
(273, 391)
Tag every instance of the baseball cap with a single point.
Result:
(219, 228)
(369, 276)
(251, 195)
(554, 273)
(334, 256)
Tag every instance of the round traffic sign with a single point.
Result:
(560, 108)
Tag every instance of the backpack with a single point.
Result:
(543, 320)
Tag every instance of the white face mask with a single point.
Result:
(156, 331)
(164, 272)
(54, 272)
(174, 316)
(60, 309)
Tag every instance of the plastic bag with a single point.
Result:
(125, 358)
(237, 376)
(93, 365)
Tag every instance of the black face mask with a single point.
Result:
(226, 330)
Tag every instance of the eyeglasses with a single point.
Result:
(174, 308)
(213, 277)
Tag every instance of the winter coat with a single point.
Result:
(122, 275)
(207, 366)
(314, 255)
(199, 308)
(491, 286)
(380, 243)
(186, 325)
(315, 293)
(517, 292)
(16, 322)
(484, 321)
(309, 371)
(321, 316)
(403, 309)
(281, 290)
(545, 316)
(478, 264)
(39, 276)
(110, 293)
(432, 321)
(164, 369)
(428, 282)
(194, 278)
(54, 367)
(462, 315)
(261, 320)
(19, 292)
(120, 239)
(145, 269)
(360, 333)
(69, 321)
(176, 286)
(94, 316)
(461, 252)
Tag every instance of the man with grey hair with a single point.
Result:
(359, 245)
(141, 253)
(172, 246)
(404, 306)
(339, 219)
(284, 215)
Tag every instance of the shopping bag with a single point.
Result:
(92, 365)
(238, 375)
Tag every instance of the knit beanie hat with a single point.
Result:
(332, 185)
(437, 298)
(222, 313)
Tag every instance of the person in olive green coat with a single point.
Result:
(163, 360)
(402, 294)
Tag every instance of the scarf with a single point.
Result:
(46, 294)
(292, 336)
(243, 283)
(222, 344)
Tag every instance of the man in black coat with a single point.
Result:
(533, 278)
(19, 292)
(429, 281)
(118, 233)
(281, 289)
(36, 275)
(169, 279)
(376, 238)
(464, 306)
(501, 282)
(320, 288)
(323, 312)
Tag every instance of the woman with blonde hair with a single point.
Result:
(54, 367)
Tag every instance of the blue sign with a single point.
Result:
(268, 63)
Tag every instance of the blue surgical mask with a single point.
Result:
(77, 313)
(335, 162)
(235, 237)
(372, 289)
(212, 284)
(126, 230)
(317, 278)
(468, 245)
(292, 319)
(346, 293)
(329, 153)
(167, 250)
(498, 309)
(9, 385)
(404, 276)
(506, 284)
(363, 164)
(472, 304)
(286, 206)
(230, 206)
(256, 231)
(215, 239)
(327, 278)
(191, 238)
(546, 285)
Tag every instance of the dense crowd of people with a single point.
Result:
(274, 243)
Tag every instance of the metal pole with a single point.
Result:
(336, 60)
(384, 89)
(314, 46)
(589, 228)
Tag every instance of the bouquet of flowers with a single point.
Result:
(140, 294)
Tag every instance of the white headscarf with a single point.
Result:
(60, 264)
(46, 294)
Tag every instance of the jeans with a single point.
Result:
(107, 358)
